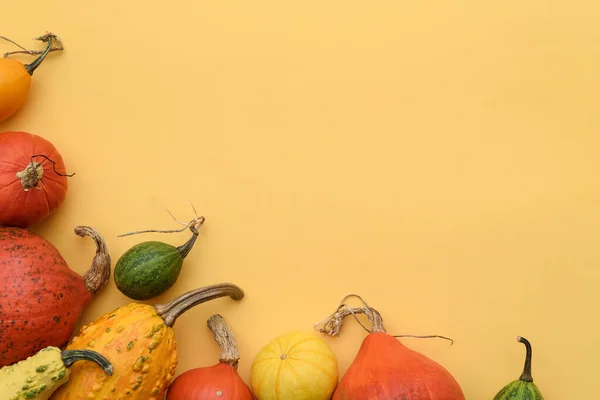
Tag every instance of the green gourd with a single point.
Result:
(522, 388)
(42, 374)
(150, 268)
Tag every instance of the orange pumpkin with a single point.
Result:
(294, 366)
(386, 369)
(15, 78)
(139, 341)
(221, 380)
(32, 179)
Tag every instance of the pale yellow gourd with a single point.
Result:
(40, 375)
(295, 366)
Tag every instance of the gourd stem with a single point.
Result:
(332, 325)
(176, 307)
(71, 356)
(526, 375)
(99, 273)
(185, 249)
(230, 353)
(36, 63)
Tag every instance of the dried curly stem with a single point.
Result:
(99, 273)
(175, 308)
(230, 353)
(192, 225)
(332, 325)
(44, 38)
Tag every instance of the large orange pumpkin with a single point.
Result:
(294, 366)
(33, 182)
(220, 381)
(386, 369)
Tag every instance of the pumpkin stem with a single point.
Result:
(31, 52)
(31, 175)
(230, 353)
(332, 325)
(34, 171)
(526, 375)
(176, 307)
(49, 37)
(99, 273)
(71, 356)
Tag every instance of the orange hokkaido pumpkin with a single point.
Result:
(220, 381)
(33, 182)
(385, 369)
(294, 366)
(15, 78)
(139, 341)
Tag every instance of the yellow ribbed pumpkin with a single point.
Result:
(139, 341)
(294, 366)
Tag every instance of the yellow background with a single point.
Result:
(438, 158)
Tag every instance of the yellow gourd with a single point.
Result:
(140, 342)
(295, 366)
(40, 375)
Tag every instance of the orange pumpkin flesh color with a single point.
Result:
(15, 79)
(32, 179)
(386, 369)
(220, 381)
(139, 341)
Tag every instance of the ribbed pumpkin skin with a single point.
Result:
(308, 369)
(220, 381)
(41, 298)
(141, 348)
(148, 269)
(18, 207)
(386, 369)
(519, 390)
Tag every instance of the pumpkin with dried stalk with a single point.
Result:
(33, 180)
(386, 369)
(139, 341)
(220, 381)
(41, 298)
(15, 77)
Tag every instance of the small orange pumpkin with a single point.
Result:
(220, 381)
(294, 366)
(385, 369)
(33, 182)
(15, 77)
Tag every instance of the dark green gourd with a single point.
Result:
(150, 268)
(522, 388)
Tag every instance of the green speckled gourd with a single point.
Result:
(42, 374)
(149, 269)
(522, 388)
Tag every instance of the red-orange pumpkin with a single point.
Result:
(385, 369)
(33, 182)
(220, 381)
(41, 298)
